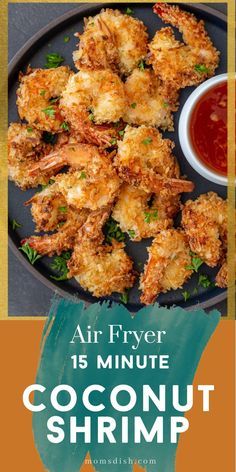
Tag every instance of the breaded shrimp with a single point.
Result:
(222, 276)
(25, 148)
(92, 181)
(150, 102)
(111, 40)
(187, 63)
(101, 269)
(49, 209)
(142, 215)
(205, 223)
(38, 97)
(93, 98)
(145, 159)
(78, 224)
(169, 255)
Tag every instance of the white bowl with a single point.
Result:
(184, 132)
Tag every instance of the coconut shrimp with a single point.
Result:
(111, 40)
(145, 159)
(101, 269)
(187, 63)
(166, 269)
(205, 223)
(91, 182)
(76, 224)
(143, 215)
(150, 102)
(38, 97)
(97, 96)
(25, 149)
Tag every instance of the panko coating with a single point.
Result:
(166, 269)
(150, 102)
(101, 269)
(91, 183)
(222, 276)
(25, 148)
(111, 40)
(187, 63)
(38, 97)
(205, 223)
(144, 215)
(145, 159)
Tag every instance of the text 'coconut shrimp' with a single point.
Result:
(111, 40)
(150, 101)
(38, 97)
(187, 63)
(145, 159)
(101, 269)
(91, 182)
(166, 269)
(144, 215)
(205, 223)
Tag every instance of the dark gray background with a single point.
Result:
(27, 296)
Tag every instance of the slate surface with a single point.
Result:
(27, 296)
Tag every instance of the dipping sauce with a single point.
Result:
(208, 128)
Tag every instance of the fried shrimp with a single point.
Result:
(91, 182)
(150, 101)
(38, 97)
(222, 276)
(142, 215)
(49, 209)
(145, 159)
(101, 269)
(169, 255)
(205, 223)
(111, 40)
(76, 223)
(25, 149)
(187, 63)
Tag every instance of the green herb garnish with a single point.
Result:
(133, 105)
(49, 111)
(131, 233)
(62, 209)
(29, 129)
(31, 253)
(42, 93)
(82, 175)
(147, 141)
(150, 215)
(196, 263)
(142, 65)
(122, 132)
(54, 100)
(129, 11)
(65, 126)
(113, 141)
(124, 297)
(15, 225)
(186, 295)
(66, 39)
(201, 68)
(53, 60)
(204, 281)
(113, 231)
(165, 104)
(91, 117)
(50, 182)
(59, 264)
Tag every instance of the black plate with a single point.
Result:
(50, 39)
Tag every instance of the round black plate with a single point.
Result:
(51, 39)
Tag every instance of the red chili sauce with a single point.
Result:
(208, 128)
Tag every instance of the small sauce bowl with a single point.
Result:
(204, 164)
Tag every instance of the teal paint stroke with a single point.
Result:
(186, 338)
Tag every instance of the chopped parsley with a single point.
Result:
(113, 231)
(15, 225)
(147, 141)
(62, 209)
(150, 215)
(201, 68)
(91, 116)
(65, 126)
(29, 129)
(186, 295)
(129, 11)
(50, 182)
(53, 60)
(49, 138)
(82, 175)
(133, 105)
(195, 264)
(113, 141)
(204, 281)
(49, 111)
(42, 93)
(54, 100)
(59, 264)
(165, 104)
(131, 233)
(122, 132)
(66, 39)
(124, 297)
(142, 65)
(31, 253)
